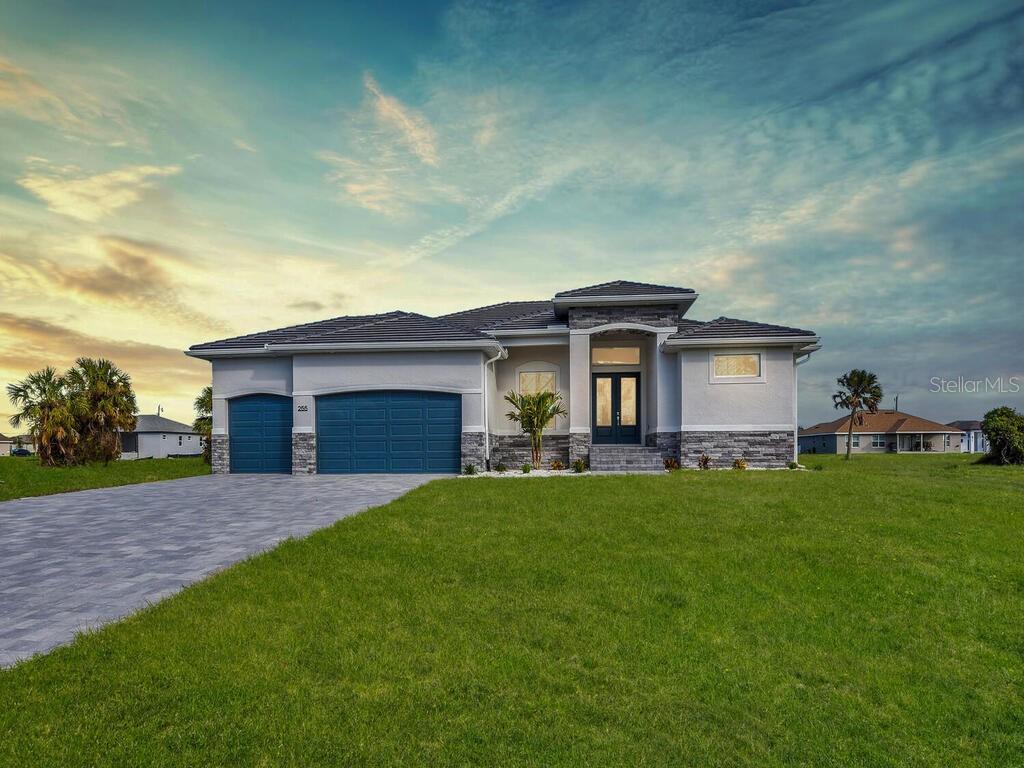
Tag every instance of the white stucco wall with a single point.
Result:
(303, 377)
(158, 445)
(233, 377)
(767, 404)
(445, 371)
(505, 379)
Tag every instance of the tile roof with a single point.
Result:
(621, 288)
(395, 327)
(291, 333)
(493, 315)
(883, 422)
(966, 426)
(731, 328)
(152, 423)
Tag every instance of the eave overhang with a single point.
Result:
(681, 300)
(272, 350)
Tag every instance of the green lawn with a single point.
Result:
(25, 477)
(870, 613)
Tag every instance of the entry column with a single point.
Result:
(579, 396)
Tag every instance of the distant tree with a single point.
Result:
(104, 402)
(533, 413)
(1004, 430)
(859, 391)
(49, 413)
(203, 424)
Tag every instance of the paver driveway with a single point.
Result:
(75, 560)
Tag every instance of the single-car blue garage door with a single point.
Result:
(260, 429)
(388, 431)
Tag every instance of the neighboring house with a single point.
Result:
(6, 444)
(402, 392)
(155, 437)
(26, 441)
(973, 439)
(885, 431)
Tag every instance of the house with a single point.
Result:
(403, 392)
(156, 437)
(885, 431)
(973, 439)
(6, 444)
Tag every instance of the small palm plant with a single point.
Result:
(859, 391)
(203, 424)
(44, 407)
(534, 412)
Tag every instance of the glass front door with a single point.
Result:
(616, 408)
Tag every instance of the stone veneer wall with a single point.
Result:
(514, 450)
(579, 447)
(760, 449)
(667, 443)
(220, 454)
(303, 453)
(589, 317)
(473, 450)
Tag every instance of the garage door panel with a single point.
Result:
(260, 433)
(389, 431)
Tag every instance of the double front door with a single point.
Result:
(616, 407)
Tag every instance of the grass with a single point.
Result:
(24, 476)
(871, 613)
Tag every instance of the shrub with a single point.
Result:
(793, 465)
(469, 469)
(671, 463)
(704, 462)
(500, 467)
(527, 469)
(557, 466)
(739, 463)
(1004, 430)
(579, 466)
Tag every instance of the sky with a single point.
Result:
(176, 173)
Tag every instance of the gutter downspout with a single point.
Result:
(797, 362)
(502, 355)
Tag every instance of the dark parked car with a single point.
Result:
(21, 452)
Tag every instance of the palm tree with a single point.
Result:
(534, 412)
(49, 414)
(203, 424)
(102, 395)
(859, 391)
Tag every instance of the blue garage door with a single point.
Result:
(388, 432)
(260, 429)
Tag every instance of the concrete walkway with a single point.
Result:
(76, 560)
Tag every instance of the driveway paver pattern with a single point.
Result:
(74, 561)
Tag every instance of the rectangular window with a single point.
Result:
(878, 441)
(947, 441)
(856, 441)
(732, 366)
(615, 355)
(532, 382)
(179, 439)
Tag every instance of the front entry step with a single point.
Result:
(625, 458)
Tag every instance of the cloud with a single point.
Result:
(411, 127)
(29, 343)
(307, 305)
(112, 272)
(66, 190)
(244, 145)
(23, 94)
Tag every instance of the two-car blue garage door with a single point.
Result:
(388, 431)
